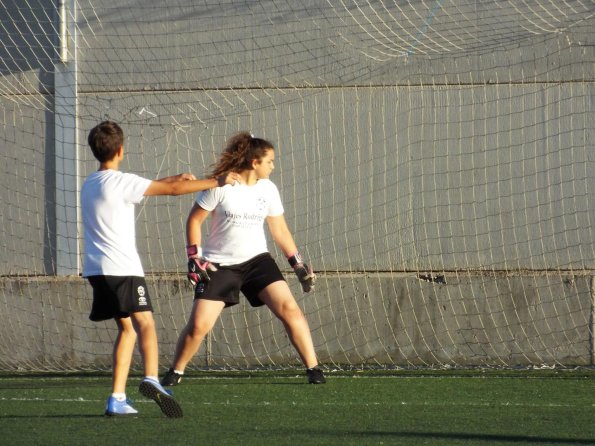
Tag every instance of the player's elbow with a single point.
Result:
(177, 188)
(176, 191)
(164, 188)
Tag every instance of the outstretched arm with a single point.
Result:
(179, 177)
(186, 183)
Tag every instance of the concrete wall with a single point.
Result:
(457, 141)
(355, 320)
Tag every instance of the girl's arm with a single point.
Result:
(284, 240)
(282, 235)
(198, 266)
(194, 222)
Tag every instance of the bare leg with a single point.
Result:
(122, 355)
(277, 296)
(144, 324)
(202, 319)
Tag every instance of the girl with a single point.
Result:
(235, 257)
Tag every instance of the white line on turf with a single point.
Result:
(293, 403)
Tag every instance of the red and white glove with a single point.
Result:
(198, 266)
(304, 273)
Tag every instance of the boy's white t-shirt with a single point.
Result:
(236, 232)
(107, 205)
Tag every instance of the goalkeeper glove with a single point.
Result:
(198, 265)
(304, 273)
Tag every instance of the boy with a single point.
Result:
(113, 267)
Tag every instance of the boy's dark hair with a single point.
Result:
(105, 139)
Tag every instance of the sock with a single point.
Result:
(179, 372)
(152, 378)
(119, 396)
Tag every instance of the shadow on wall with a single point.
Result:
(29, 37)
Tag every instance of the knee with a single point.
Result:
(290, 311)
(197, 329)
(144, 321)
(127, 332)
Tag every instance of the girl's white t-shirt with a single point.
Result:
(107, 205)
(236, 233)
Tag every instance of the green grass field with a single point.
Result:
(536, 408)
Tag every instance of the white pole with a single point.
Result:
(66, 157)
(592, 320)
(63, 43)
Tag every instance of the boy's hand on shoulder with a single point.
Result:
(232, 178)
(185, 177)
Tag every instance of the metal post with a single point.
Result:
(66, 157)
(592, 327)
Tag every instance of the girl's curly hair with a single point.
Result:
(239, 152)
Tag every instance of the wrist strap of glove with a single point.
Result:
(295, 259)
(193, 251)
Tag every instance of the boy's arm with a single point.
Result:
(179, 177)
(186, 183)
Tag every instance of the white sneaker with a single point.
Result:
(115, 407)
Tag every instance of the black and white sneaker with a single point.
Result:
(171, 378)
(168, 405)
(315, 376)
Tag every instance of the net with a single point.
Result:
(435, 160)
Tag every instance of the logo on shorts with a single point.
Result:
(142, 300)
(200, 288)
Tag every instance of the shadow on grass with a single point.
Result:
(55, 385)
(521, 439)
(56, 416)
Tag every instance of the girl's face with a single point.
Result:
(265, 165)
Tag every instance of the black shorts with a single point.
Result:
(118, 296)
(250, 277)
